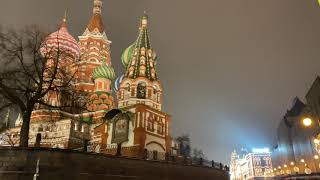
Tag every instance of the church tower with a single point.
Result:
(140, 84)
(140, 92)
(61, 50)
(94, 50)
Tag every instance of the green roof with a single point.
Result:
(104, 71)
(127, 54)
(86, 119)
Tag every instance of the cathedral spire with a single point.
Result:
(140, 80)
(140, 58)
(144, 20)
(97, 6)
(95, 22)
(64, 20)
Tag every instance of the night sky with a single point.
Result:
(230, 68)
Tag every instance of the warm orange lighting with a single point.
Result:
(292, 163)
(307, 122)
(302, 160)
(285, 166)
(316, 157)
(279, 167)
(316, 141)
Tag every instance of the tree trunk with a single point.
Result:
(24, 132)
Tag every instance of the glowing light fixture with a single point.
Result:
(316, 141)
(302, 160)
(307, 122)
(285, 166)
(292, 163)
(316, 157)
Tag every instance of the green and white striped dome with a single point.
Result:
(104, 71)
(127, 54)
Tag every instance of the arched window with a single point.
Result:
(150, 125)
(128, 87)
(141, 90)
(160, 128)
(142, 60)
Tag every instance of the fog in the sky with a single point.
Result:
(230, 68)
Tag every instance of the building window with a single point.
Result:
(158, 98)
(100, 85)
(122, 94)
(141, 90)
(128, 87)
(75, 126)
(149, 93)
(150, 126)
(132, 92)
(160, 129)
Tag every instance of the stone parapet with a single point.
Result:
(20, 163)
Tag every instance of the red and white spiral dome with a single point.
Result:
(61, 40)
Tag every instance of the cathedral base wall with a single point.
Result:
(17, 163)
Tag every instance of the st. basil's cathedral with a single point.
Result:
(132, 119)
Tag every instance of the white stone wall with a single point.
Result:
(155, 146)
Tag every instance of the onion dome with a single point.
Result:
(127, 54)
(61, 40)
(104, 71)
(117, 83)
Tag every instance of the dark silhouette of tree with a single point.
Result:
(197, 155)
(184, 145)
(27, 76)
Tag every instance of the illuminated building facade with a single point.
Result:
(252, 166)
(137, 119)
(296, 150)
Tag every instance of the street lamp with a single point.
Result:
(307, 122)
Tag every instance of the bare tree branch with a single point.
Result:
(33, 78)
